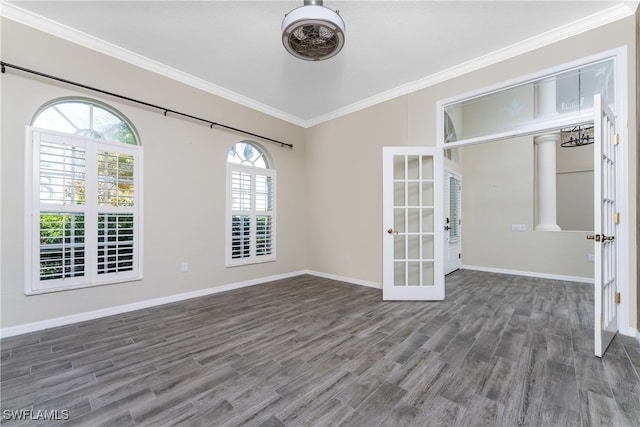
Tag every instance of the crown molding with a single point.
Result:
(605, 17)
(612, 14)
(22, 16)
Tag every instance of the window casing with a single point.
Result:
(84, 204)
(251, 206)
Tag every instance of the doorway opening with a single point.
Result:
(580, 95)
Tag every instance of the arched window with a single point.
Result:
(251, 201)
(87, 118)
(86, 194)
(248, 154)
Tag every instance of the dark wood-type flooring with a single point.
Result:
(500, 350)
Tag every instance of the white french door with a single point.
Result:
(412, 217)
(606, 219)
(452, 222)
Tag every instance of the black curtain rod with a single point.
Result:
(126, 98)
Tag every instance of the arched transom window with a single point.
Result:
(247, 154)
(86, 118)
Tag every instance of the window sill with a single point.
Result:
(240, 264)
(32, 292)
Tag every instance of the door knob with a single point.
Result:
(447, 228)
(390, 231)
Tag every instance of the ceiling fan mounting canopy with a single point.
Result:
(313, 32)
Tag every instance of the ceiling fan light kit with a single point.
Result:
(313, 32)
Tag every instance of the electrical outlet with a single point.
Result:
(591, 258)
(184, 267)
(518, 227)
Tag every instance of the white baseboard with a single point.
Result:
(345, 279)
(90, 315)
(530, 274)
(95, 314)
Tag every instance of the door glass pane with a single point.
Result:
(428, 273)
(413, 216)
(413, 193)
(398, 220)
(399, 277)
(413, 245)
(427, 194)
(399, 247)
(427, 220)
(413, 167)
(427, 246)
(398, 167)
(398, 193)
(427, 167)
(413, 273)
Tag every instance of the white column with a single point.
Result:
(546, 158)
(546, 98)
(546, 181)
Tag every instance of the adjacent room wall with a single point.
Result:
(574, 184)
(499, 182)
(184, 177)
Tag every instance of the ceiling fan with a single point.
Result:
(313, 32)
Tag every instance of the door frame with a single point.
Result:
(619, 55)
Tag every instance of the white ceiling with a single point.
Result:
(234, 49)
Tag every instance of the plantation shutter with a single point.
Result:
(117, 221)
(59, 222)
(250, 215)
(84, 206)
(455, 200)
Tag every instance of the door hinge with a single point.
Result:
(617, 297)
(616, 218)
(616, 139)
(459, 256)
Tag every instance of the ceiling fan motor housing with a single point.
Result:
(313, 32)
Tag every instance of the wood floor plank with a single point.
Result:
(308, 351)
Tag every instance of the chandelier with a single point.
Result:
(576, 136)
